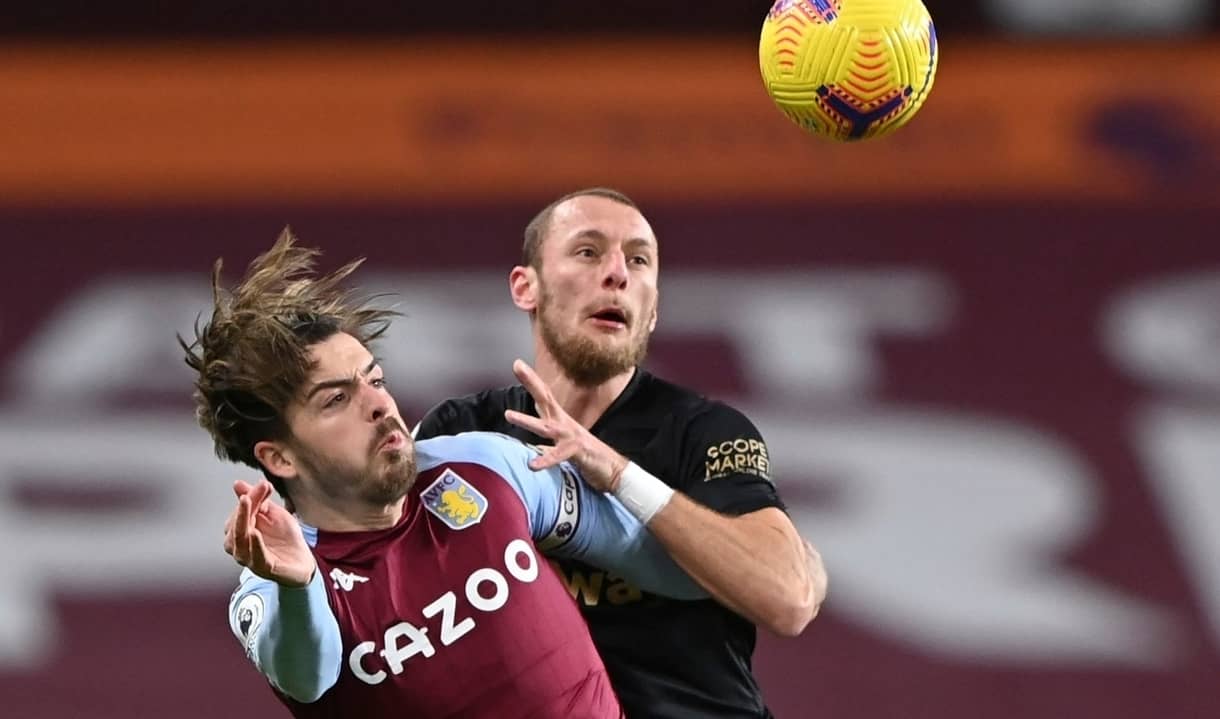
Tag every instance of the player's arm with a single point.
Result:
(569, 519)
(289, 633)
(756, 564)
(280, 613)
(728, 528)
(753, 562)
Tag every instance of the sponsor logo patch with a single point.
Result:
(743, 455)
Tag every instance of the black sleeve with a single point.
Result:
(724, 463)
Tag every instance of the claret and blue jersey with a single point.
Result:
(453, 611)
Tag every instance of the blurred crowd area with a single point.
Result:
(226, 18)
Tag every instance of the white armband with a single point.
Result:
(641, 493)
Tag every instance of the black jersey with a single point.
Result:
(666, 658)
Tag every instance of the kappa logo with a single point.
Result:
(454, 501)
(345, 580)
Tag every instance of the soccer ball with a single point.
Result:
(848, 69)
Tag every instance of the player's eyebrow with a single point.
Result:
(341, 382)
(645, 243)
(593, 233)
(590, 234)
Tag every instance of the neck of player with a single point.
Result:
(586, 404)
(338, 516)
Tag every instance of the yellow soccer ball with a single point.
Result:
(848, 69)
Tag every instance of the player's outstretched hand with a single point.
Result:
(264, 537)
(598, 463)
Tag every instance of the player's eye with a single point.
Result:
(379, 383)
(586, 252)
(641, 260)
(335, 400)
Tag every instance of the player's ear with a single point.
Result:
(276, 459)
(523, 286)
(652, 319)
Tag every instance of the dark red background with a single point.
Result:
(1031, 282)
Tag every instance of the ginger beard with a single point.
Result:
(589, 361)
(386, 478)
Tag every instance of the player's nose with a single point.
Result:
(614, 268)
(377, 403)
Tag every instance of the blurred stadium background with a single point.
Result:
(986, 351)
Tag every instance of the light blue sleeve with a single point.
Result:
(290, 634)
(568, 518)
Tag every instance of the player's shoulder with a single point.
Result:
(690, 406)
(470, 404)
(496, 398)
(489, 449)
(472, 411)
(490, 461)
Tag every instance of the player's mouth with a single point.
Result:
(610, 318)
(393, 442)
